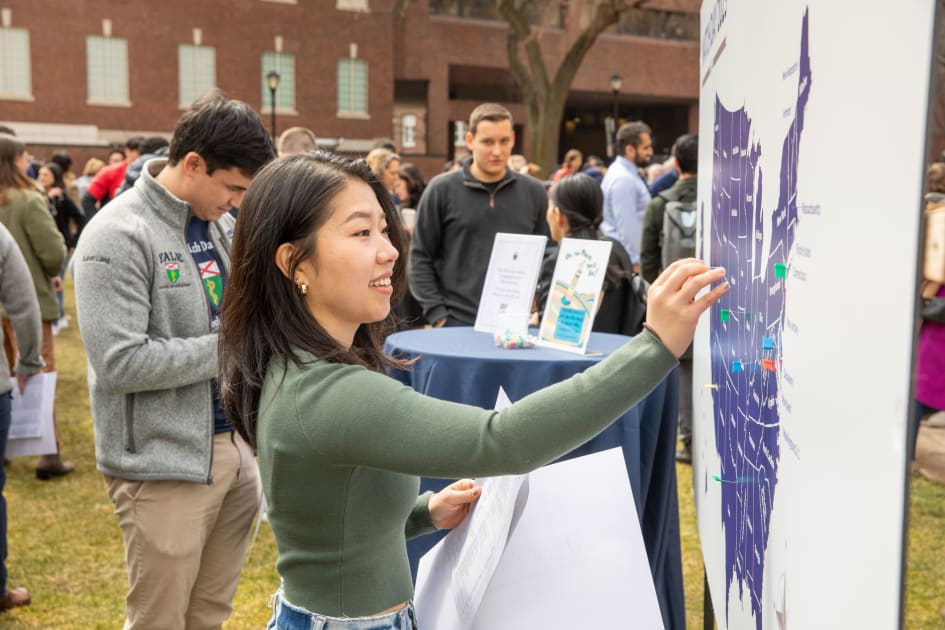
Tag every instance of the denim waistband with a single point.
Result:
(288, 616)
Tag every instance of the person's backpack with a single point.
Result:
(679, 229)
(634, 304)
(623, 307)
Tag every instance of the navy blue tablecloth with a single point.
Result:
(461, 365)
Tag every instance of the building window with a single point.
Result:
(197, 67)
(551, 14)
(408, 131)
(459, 133)
(15, 64)
(352, 87)
(107, 70)
(352, 5)
(284, 64)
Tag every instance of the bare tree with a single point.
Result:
(544, 92)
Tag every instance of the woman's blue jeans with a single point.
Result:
(287, 616)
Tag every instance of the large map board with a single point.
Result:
(813, 119)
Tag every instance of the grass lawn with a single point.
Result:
(65, 545)
(925, 590)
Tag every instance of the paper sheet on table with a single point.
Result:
(453, 576)
(509, 286)
(31, 422)
(574, 551)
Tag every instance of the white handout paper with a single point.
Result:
(542, 550)
(31, 422)
(509, 288)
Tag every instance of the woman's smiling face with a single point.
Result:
(349, 280)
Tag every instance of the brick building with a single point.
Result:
(85, 74)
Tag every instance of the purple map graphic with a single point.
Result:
(746, 335)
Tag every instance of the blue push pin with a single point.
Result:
(767, 343)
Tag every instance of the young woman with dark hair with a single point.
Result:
(69, 220)
(340, 444)
(24, 212)
(575, 210)
(413, 183)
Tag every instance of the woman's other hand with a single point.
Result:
(672, 309)
(449, 506)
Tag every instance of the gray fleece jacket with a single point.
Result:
(146, 326)
(18, 298)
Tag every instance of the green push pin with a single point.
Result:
(726, 314)
(780, 270)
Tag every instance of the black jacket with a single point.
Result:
(63, 209)
(457, 220)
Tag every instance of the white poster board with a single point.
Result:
(509, 288)
(537, 561)
(31, 422)
(802, 372)
(574, 295)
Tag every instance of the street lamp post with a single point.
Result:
(272, 80)
(616, 82)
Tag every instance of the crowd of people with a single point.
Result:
(233, 295)
(187, 387)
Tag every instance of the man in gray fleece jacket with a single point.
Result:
(150, 270)
(18, 298)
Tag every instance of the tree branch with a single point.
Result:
(606, 13)
(515, 13)
(519, 71)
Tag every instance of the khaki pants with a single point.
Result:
(184, 542)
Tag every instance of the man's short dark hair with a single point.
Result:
(153, 144)
(493, 112)
(225, 133)
(7, 130)
(630, 134)
(134, 143)
(63, 159)
(686, 150)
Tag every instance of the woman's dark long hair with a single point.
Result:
(56, 171)
(264, 318)
(416, 184)
(10, 175)
(579, 198)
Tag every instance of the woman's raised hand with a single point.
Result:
(672, 309)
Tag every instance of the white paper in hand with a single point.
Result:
(31, 422)
(453, 576)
